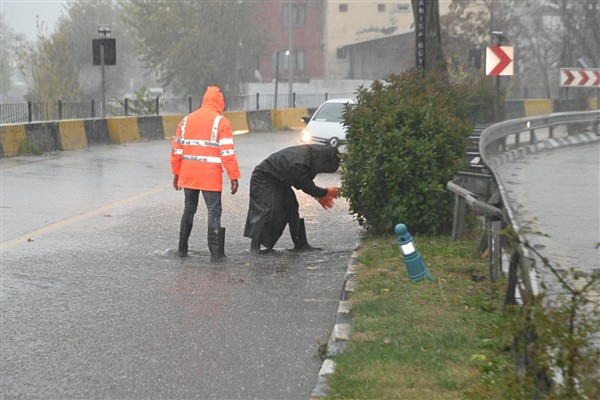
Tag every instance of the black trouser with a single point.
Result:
(213, 205)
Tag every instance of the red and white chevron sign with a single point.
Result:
(499, 60)
(579, 77)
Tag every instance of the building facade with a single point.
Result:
(336, 40)
(307, 23)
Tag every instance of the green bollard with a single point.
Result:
(417, 271)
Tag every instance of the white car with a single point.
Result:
(325, 125)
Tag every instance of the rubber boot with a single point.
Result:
(254, 247)
(222, 244)
(216, 244)
(298, 233)
(184, 235)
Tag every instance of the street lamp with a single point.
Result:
(103, 30)
(289, 53)
(500, 38)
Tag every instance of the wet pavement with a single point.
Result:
(555, 195)
(97, 305)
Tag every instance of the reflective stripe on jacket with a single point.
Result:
(204, 145)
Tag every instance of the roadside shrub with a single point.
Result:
(143, 104)
(406, 139)
(28, 148)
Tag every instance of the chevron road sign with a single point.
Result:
(499, 60)
(579, 77)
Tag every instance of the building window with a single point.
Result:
(341, 52)
(298, 14)
(297, 61)
(403, 8)
(343, 7)
(381, 7)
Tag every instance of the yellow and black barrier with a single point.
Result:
(290, 118)
(77, 134)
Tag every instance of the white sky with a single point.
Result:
(20, 15)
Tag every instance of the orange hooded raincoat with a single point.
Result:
(204, 145)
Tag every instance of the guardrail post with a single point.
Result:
(126, 103)
(156, 105)
(294, 100)
(190, 103)
(257, 101)
(458, 223)
(29, 112)
(494, 248)
(93, 108)
(59, 110)
(532, 137)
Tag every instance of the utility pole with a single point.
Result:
(103, 30)
(290, 55)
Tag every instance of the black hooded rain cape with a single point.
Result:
(273, 202)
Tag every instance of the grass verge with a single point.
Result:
(440, 339)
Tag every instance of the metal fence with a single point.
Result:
(60, 110)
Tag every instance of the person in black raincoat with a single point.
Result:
(273, 203)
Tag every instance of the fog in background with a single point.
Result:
(23, 15)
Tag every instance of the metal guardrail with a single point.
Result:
(513, 138)
(503, 142)
(498, 144)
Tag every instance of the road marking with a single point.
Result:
(57, 225)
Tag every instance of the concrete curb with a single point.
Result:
(342, 327)
(545, 145)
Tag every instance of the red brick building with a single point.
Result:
(308, 24)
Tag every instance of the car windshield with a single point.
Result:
(330, 112)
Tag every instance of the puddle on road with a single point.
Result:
(281, 263)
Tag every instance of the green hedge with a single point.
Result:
(407, 137)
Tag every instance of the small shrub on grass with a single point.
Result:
(406, 139)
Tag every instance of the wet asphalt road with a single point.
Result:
(97, 305)
(556, 196)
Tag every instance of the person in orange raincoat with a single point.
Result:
(201, 148)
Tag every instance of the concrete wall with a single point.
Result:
(78, 134)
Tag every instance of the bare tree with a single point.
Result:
(48, 68)
(80, 26)
(9, 43)
(191, 44)
(546, 35)
(58, 66)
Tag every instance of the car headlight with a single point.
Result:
(305, 137)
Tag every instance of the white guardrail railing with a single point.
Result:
(516, 138)
(485, 192)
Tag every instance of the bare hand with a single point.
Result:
(175, 182)
(234, 186)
